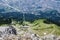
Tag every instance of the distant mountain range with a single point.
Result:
(53, 15)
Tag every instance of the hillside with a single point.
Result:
(44, 28)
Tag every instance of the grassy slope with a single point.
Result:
(40, 28)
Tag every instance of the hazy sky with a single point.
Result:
(28, 5)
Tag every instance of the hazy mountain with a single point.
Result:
(48, 14)
(34, 9)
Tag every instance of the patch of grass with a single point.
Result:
(39, 27)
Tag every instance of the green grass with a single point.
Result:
(39, 27)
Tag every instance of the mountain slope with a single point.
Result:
(42, 28)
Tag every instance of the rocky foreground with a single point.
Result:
(25, 35)
(29, 36)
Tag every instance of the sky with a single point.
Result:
(29, 5)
